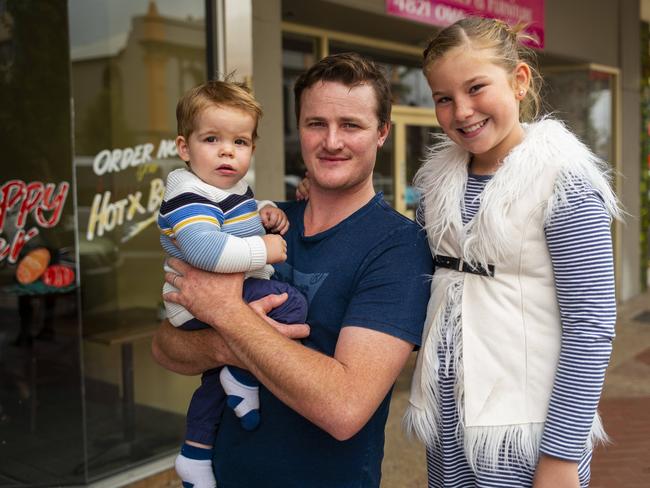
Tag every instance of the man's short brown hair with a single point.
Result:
(215, 92)
(350, 69)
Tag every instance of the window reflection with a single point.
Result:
(298, 54)
(40, 373)
(130, 62)
(583, 98)
(418, 139)
(383, 178)
(80, 261)
(408, 85)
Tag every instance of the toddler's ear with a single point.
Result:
(183, 149)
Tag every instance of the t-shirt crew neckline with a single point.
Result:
(348, 220)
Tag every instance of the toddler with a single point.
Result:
(210, 219)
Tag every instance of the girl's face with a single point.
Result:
(477, 103)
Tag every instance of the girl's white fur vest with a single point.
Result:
(505, 354)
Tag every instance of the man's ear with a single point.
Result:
(183, 149)
(384, 130)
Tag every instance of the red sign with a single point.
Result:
(44, 202)
(445, 12)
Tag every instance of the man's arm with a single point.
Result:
(339, 394)
(188, 352)
(193, 352)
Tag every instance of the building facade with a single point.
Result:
(87, 101)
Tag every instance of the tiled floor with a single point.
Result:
(625, 409)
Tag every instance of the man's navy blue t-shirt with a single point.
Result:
(371, 270)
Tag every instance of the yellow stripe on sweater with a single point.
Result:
(239, 218)
(193, 220)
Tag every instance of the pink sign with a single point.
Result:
(446, 12)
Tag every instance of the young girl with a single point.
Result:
(522, 311)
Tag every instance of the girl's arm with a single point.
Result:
(579, 242)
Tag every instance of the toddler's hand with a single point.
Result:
(274, 220)
(276, 248)
(302, 192)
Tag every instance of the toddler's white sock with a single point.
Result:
(194, 467)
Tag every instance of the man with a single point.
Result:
(363, 268)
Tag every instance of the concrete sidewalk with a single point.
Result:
(625, 408)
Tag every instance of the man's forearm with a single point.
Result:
(188, 352)
(339, 394)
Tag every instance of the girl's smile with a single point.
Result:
(474, 129)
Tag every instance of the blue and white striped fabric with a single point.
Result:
(579, 243)
(214, 229)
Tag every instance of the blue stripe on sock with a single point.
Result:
(187, 484)
(194, 452)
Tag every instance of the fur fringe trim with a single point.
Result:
(486, 448)
(446, 335)
(597, 435)
(442, 180)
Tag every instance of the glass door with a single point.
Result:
(413, 130)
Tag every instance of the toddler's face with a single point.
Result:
(219, 150)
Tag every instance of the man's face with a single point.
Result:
(340, 135)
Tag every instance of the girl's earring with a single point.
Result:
(521, 93)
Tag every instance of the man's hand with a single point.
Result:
(198, 291)
(208, 296)
(192, 352)
(276, 248)
(264, 305)
(556, 473)
(274, 220)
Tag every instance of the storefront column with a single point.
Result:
(267, 83)
(630, 63)
(252, 34)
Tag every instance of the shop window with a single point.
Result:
(298, 54)
(41, 406)
(584, 98)
(80, 260)
(130, 62)
(408, 84)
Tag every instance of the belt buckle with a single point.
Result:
(460, 264)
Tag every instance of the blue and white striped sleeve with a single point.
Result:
(580, 245)
(195, 224)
